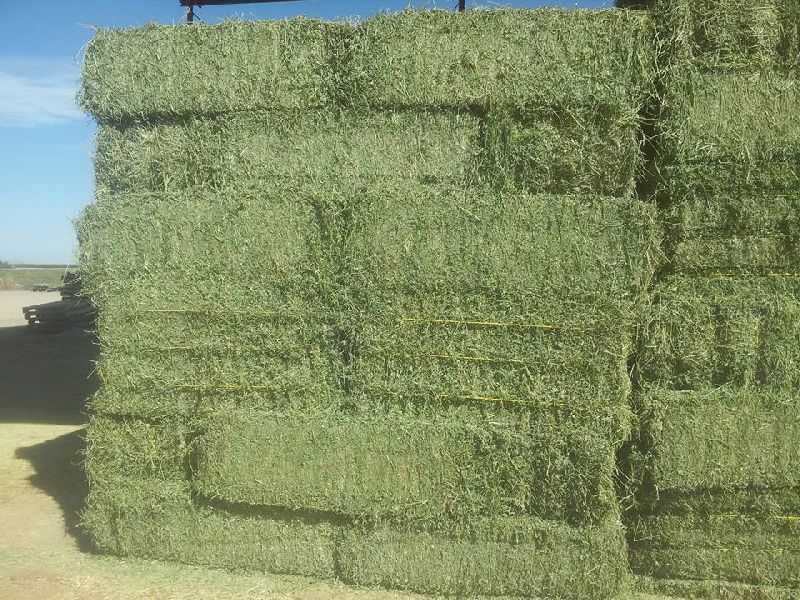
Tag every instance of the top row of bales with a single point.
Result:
(425, 60)
(726, 35)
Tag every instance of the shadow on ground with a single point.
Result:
(45, 377)
(58, 473)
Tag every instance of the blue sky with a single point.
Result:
(46, 143)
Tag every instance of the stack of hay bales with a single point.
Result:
(719, 365)
(205, 253)
(367, 296)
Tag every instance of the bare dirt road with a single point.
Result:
(44, 380)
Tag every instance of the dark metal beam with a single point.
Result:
(224, 2)
(190, 4)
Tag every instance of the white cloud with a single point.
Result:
(38, 96)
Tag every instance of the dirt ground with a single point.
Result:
(44, 380)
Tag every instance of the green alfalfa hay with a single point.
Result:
(726, 35)
(716, 531)
(550, 149)
(754, 501)
(507, 58)
(546, 150)
(502, 556)
(723, 330)
(755, 554)
(708, 590)
(447, 279)
(233, 321)
(500, 57)
(721, 439)
(153, 518)
(138, 449)
(439, 466)
(302, 150)
(726, 132)
(174, 71)
(734, 124)
(115, 281)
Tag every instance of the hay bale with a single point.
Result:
(548, 149)
(152, 251)
(268, 256)
(757, 254)
(435, 466)
(726, 438)
(754, 501)
(728, 547)
(137, 449)
(504, 296)
(293, 154)
(738, 233)
(717, 119)
(721, 330)
(513, 58)
(727, 143)
(525, 557)
(717, 531)
(159, 519)
(446, 241)
(727, 34)
(170, 71)
(709, 589)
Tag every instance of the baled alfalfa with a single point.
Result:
(140, 503)
(299, 152)
(175, 71)
(709, 589)
(500, 556)
(149, 260)
(733, 547)
(548, 123)
(551, 149)
(129, 448)
(734, 35)
(738, 232)
(547, 150)
(721, 439)
(154, 518)
(722, 330)
(492, 294)
(503, 58)
(204, 193)
(440, 466)
(711, 120)
(729, 142)
(753, 501)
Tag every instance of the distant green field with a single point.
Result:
(24, 278)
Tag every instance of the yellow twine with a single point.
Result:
(487, 359)
(769, 274)
(191, 311)
(223, 387)
(752, 517)
(479, 323)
